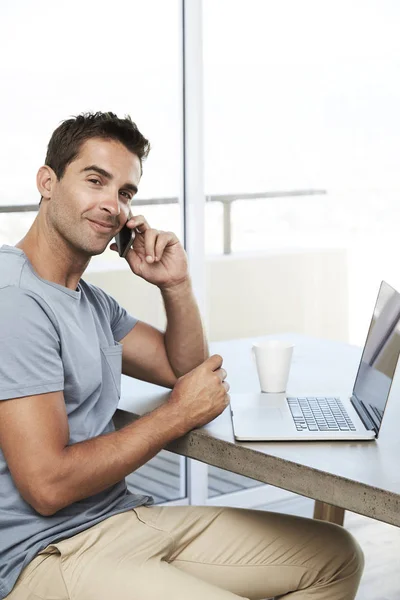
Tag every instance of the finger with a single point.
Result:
(150, 238)
(139, 222)
(114, 247)
(226, 386)
(221, 374)
(164, 239)
(214, 362)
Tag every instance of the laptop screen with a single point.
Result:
(380, 355)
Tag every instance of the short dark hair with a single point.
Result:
(66, 141)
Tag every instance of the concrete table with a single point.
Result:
(363, 477)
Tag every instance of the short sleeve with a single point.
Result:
(30, 352)
(120, 320)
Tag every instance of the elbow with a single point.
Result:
(43, 500)
(43, 485)
(45, 509)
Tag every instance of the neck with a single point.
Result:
(52, 257)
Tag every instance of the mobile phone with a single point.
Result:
(124, 240)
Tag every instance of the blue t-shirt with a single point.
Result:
(53, 338)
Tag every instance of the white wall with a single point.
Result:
(248, 295)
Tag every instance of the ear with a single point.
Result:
(45, 180)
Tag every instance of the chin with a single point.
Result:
(92, 250)
(96, 251)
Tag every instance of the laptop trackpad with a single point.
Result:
(262, 405)
(266, 413)
(271, 413)
(258, 415)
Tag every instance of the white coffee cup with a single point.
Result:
(273, 358)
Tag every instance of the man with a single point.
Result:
(69, 527)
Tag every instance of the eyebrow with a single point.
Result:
(128, 186)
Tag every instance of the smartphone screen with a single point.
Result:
(124, 240)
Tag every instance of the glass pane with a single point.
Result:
(14, 225)
(105, 68)
(214, 237)
(90, 57)
(225, 482)
(301, 102)
(161, 477)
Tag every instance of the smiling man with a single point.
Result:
(69, 528)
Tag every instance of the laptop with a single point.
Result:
(267, 417)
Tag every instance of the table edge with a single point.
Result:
(355, 496)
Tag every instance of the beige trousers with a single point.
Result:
(197, 553)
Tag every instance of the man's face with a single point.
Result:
(91, 202)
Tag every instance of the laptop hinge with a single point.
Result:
(364, 416)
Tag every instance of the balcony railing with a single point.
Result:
(226, 199)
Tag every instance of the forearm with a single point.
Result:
(89, 467)
(185, 339)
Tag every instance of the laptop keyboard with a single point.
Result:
(320, 414)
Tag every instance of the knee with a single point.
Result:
(348, 551)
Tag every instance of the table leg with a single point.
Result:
(327, 512)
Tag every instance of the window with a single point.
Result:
(61, 61)
(301, 102)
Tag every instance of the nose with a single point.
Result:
(111, 204)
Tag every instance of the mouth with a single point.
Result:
(102, 227)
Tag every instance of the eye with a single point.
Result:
(96, 181)
(126, 195)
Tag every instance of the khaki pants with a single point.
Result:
(193, 553)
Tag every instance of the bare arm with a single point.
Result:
(50, 475)
(151, 355)
(159, 258)
(144, 356)
(185, 340)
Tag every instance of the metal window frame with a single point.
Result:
(193, 194)
(226, 200)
